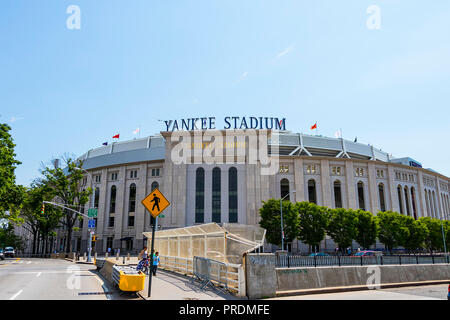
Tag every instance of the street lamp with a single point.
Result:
(282, 225)
(92, 202)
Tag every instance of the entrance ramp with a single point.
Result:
(225, 242)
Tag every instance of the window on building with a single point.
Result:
(284, 189)
(232, 195)
(133, 174)
(311, 169)
(114, 176)
(200, 195)
(155, 185)
(96, 197)
(359, 172)
(155, 172)
(112, 203)
(413, 201)
(131, 221)
(400, 202)
(337, 194)
(312, 191)
(380, 173)
(381, 196)
(109, 243)
(216, 191)
(408, 210)
(336, 171)
(111, 222)
(361, 200)
(284, 169)
(132, 198)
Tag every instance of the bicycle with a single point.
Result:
(143, 266)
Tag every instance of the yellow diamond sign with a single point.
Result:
(155, 202)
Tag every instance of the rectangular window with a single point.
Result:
(97, 178)
(155, 172)
(131, 221)
(359, 172)
(111, 222)
(336, 171)
(109, 242)
(284, 169)
(114, 176)
(311, 169)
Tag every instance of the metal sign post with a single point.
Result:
(155, 203)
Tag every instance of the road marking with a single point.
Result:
(104, 287)
(28, 262)
(16, 295)
(37, 276)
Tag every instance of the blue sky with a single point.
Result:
(134, 62)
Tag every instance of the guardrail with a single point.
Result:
(230, 276)
(288, 261)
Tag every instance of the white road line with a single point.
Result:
(21, 261)
(104, 287)
(28, 262)
(15, 296)
(38, 274)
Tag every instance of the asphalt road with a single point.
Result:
(433, 292)
(53, 279)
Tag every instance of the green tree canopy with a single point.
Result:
(313, 221)
(413, 233)
(342, 226)
(11, 195)
(367, 228)
(391, 228)
(271, 221)
(433, 239)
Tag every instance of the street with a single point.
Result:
(53, 279)
(432, 292)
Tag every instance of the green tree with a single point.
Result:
(11, 195)
(313, 221)
(391, 228)
(342, 227)
(367, 228)
(413, 234)
(9, 239)
(67, 191)
(271, 221)
(433, 239)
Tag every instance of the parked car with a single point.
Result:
(319, 254)
(9, 252)
(2, 255)
(367, 253)
(448, 294)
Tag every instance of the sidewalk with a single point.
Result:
(171, 286)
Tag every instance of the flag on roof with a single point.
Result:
(136, 131)
(314, 126)
(105, 143)
(116, 136)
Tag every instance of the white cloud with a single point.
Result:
(285, 51)
(14, 119)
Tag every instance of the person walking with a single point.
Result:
(156, 261)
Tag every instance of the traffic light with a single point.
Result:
(94, 238)
(43, 209)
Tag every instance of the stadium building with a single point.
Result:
(331, 172)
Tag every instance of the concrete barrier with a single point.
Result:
(260, 275)
(325, 277)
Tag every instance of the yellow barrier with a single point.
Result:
(131, 282)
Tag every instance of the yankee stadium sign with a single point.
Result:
(209, 123)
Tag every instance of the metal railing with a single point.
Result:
(292, 261)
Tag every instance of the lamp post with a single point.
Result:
(92, 202)
(282, 225)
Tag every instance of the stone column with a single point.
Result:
(392, 185)
(373, 189)
(421, 200)
(326, 184)
(351, 188)
(299, 180)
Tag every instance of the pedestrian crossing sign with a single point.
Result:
(155, 202)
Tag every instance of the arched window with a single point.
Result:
(436, 209)
(200, 195)
(284, 189)
(337, 194)
(312, 191)
(112, 201)
(408, 210)
(132, 198)
(400, 202)
(381, 196)
(155, 185)
(232, 195)
(96, 197)
(362, 204)
(216, 190)
(413, 201)
(427, 202)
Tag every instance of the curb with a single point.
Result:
(356, 288)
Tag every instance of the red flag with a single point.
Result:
(314, 126)
(116, 136)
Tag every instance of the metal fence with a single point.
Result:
(292, 261)
(226, 275)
